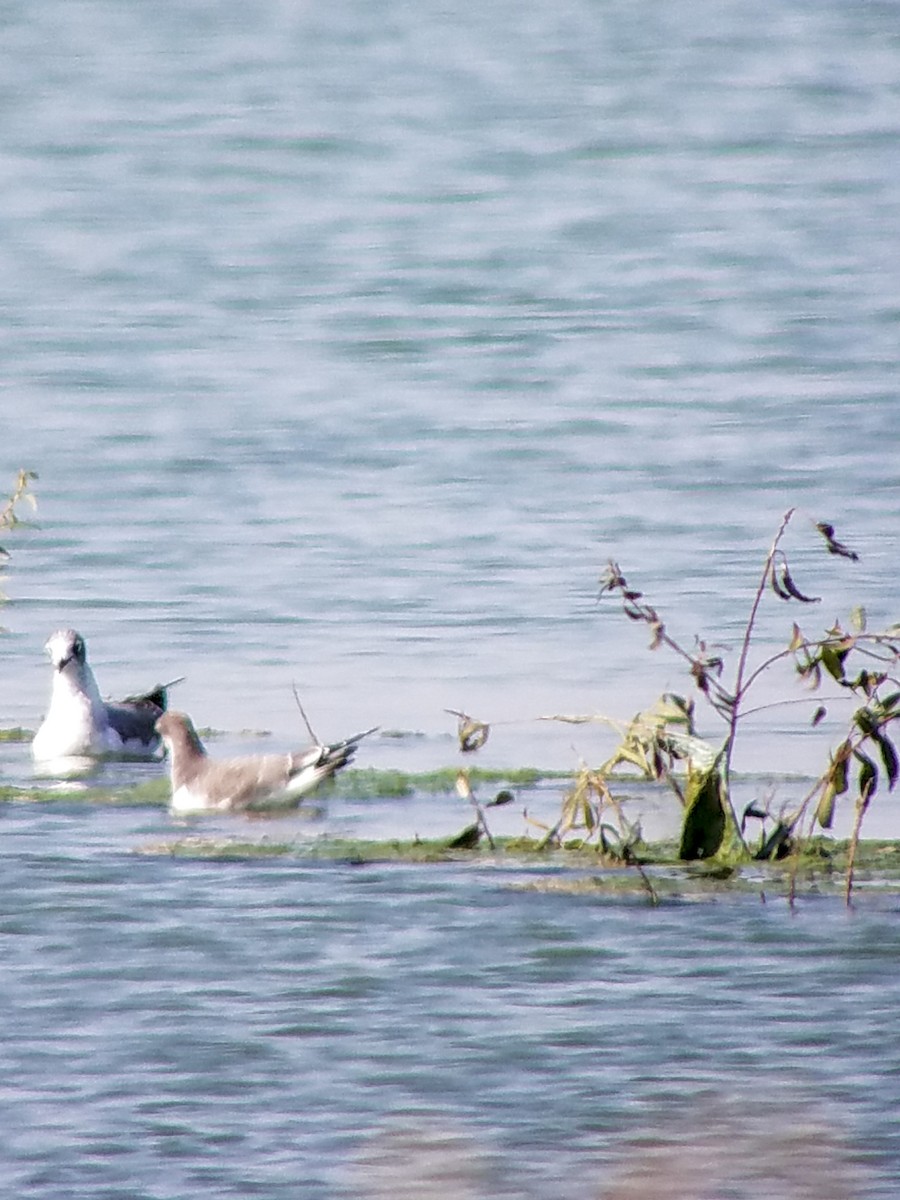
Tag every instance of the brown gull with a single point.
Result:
(258, 781)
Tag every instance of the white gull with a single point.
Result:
(79, 723)
(259, 781)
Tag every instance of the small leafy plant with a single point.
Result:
(9, 516)
(863, 664)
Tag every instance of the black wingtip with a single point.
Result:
(157, 697)
(358, 737)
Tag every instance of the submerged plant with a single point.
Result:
(586, 810)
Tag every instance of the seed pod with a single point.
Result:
(833, 545)
(776, 586)
(791, 588)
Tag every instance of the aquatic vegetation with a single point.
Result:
(324, 849)
(16, 733)
(152, 794)
(862, 663)
(575, 866)
(354, 784)
(9, 512)
(21, 493)
(661, 743)
(363, 783)
(470, 734)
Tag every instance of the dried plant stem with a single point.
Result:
(862, 804)
(464, 790)
(645, 878)
(739, 683)
(309, 728)
(8, 517)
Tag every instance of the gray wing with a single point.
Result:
(133, 720)
(134, 717)
(240, 782)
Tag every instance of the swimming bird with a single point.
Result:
(260, 781)
(79, 723)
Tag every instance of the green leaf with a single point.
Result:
(467, 839)
(867, 681)
(868, 776)
(833, 662)
(704, 826)
(888, 757)
(838, 775)
(589, 816)
(825, 808)
(865, 722)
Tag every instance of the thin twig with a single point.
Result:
(874, 639)
(645, 878)
(309, 728)
(862, 804)
(748, 636)
(464, 790)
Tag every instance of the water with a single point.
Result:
(179, 1028)
(349, 344)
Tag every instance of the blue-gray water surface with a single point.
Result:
(349, 343)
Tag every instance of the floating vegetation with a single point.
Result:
(574, 868)
(320, 849)
(355, 784)
(862, 664)
(152, 794)
(416, 850)
(15, 733)
(218, 849)
(365, 783)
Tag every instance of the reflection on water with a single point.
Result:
(70, 768)
(425, 1159)
(274, 1027)
(743, 1148)
(746, 1148)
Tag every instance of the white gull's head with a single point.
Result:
(65, 646)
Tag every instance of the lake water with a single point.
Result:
(349, 343)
